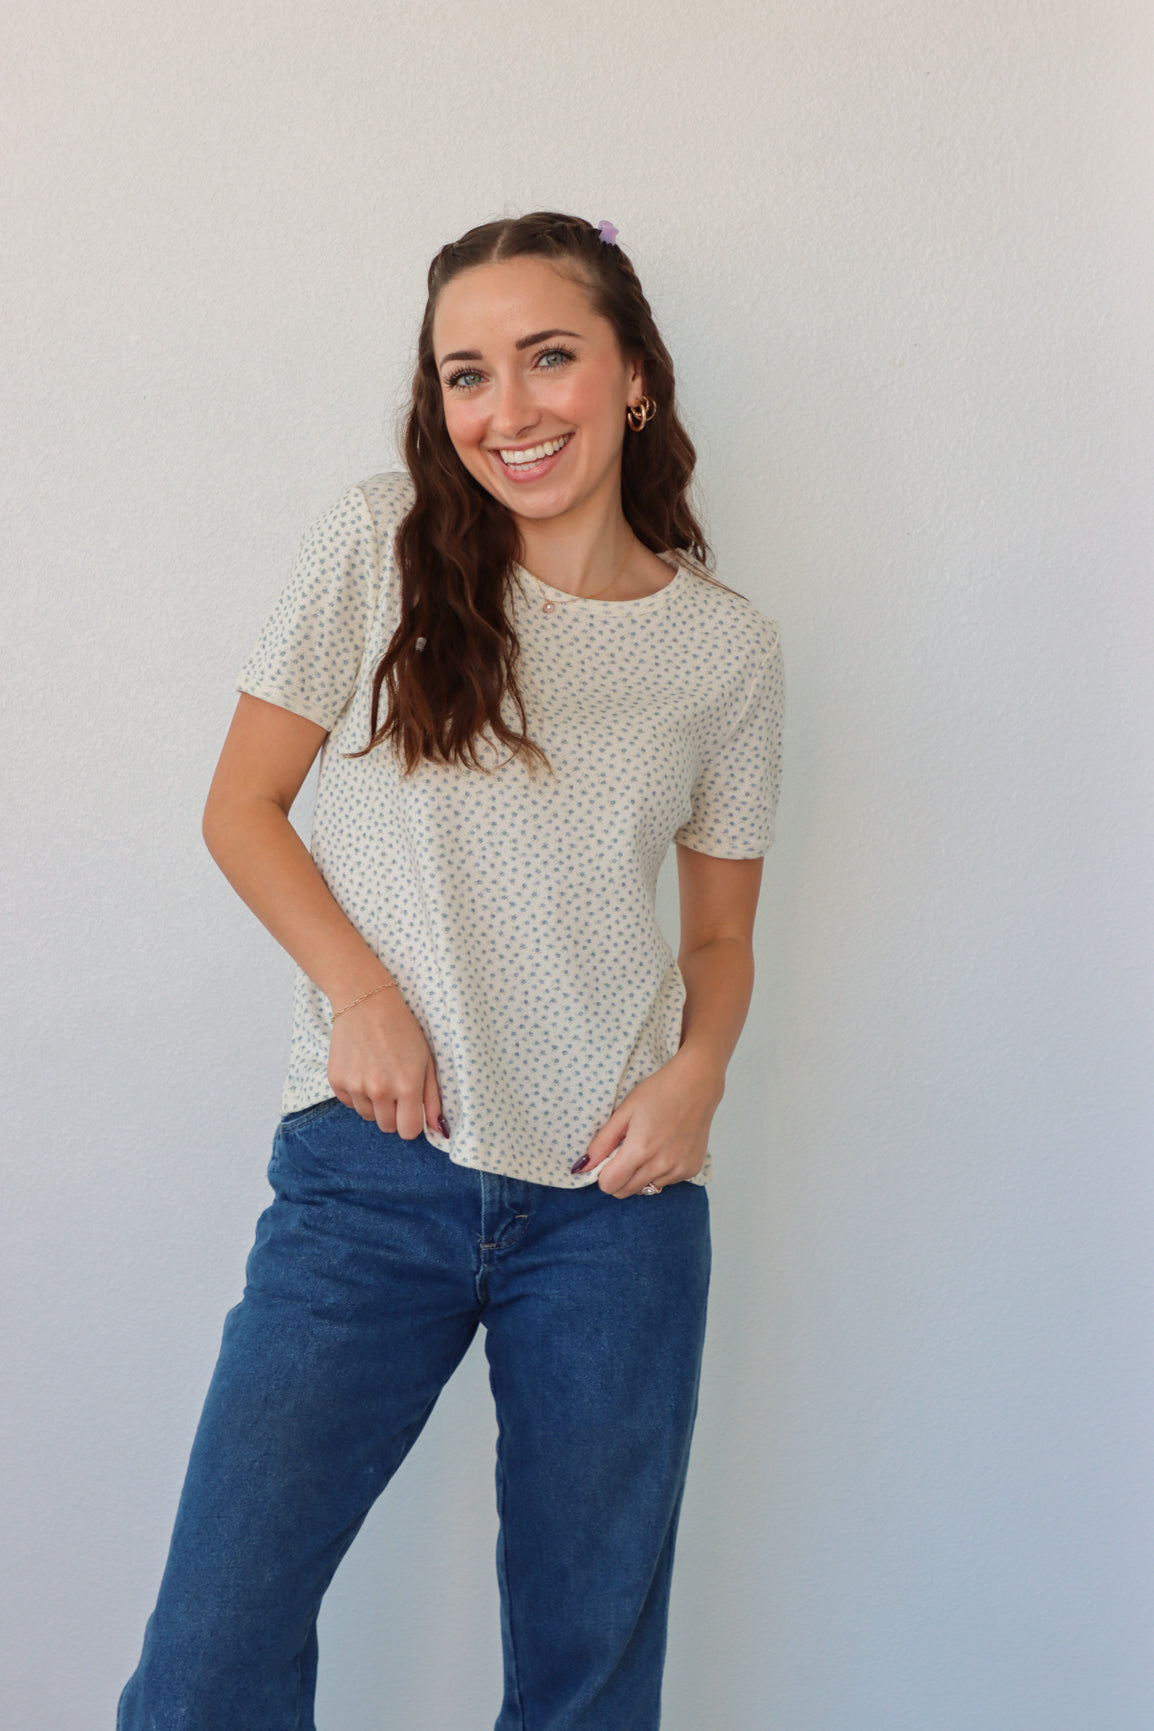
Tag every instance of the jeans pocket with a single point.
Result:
(306, 1114)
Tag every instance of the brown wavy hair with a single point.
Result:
(453, 657)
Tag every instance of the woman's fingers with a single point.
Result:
(398, 1115)
(625, 1172)
(364, 1106)
(409, 1116)
(380, 1064)
(634, 1184)
(657, 1135)
(434, 1116)
(384, 1111)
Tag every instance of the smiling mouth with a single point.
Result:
(533, 455)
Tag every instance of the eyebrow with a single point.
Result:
(521, 343)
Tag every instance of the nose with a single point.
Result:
(514, 412)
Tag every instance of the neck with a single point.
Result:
(581, 551)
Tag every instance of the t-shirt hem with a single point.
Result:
(298, 1100)
(269, 694)
(697, 844)
(511, 1169)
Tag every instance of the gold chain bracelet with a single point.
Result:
(362, 998)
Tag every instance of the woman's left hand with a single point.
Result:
(660, 1132)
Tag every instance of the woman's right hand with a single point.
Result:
(380, 1064)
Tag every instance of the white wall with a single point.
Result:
(902, 253)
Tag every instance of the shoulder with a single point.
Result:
(388, 497)
(362, 520)
(723, 615)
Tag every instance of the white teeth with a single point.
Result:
(517, 459)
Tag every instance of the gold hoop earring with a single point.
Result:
(640, 414)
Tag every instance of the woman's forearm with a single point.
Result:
(271, 869)
(718, 987)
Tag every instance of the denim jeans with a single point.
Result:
(370, 1272)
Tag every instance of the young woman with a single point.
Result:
(523, 685)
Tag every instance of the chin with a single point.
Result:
(534, 502)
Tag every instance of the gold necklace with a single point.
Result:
(550, 606)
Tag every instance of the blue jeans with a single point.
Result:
(370, 1271)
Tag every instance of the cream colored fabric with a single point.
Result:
(517, 911)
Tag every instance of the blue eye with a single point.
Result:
(458, 381)
(549, 358)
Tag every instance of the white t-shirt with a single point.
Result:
(517, 912)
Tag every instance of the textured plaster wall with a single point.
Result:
(902, 254)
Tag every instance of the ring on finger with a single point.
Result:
(651, 1189)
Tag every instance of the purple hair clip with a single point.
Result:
(607, 233)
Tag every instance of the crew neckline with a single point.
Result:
(569, 600)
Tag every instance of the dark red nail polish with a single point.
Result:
(441, 1125)
(580, 1165)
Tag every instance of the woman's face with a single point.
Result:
(535, 387)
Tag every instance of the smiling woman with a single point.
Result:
(536, 333)
(501, 1081)
(524, 409)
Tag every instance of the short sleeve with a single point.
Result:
(309, 653)
(734, 799)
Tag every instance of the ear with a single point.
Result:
(636, 380)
